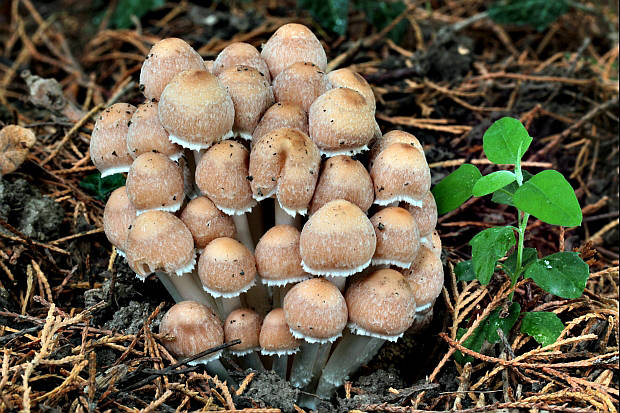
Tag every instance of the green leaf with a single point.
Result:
(382, 13)
(455, 188)
(563, 274)
(464, 271)
(487, 247)
(473, 342)
(537, 13)
(543, 326)
(330, 14)
(510, 265)
(127, 8)
(549, 197)
(504, 195)
(506, 141)
(102, 188)
(492, 182)
(499, 319)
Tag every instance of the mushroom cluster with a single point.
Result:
(353, 259)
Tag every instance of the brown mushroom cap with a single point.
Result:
(300, 84)
(426, 215)
(380, 304)
(394, 136)
(222, 174)
(195, 327)
(166, 58)
(155, 182)
(400, 173)
(15, 141)
(243, 324)
(425, 277)
(341, 123)
(338, 240)
(343, 178)
(279, 116)
(209, 66)
(277, 256)
(315, 311)
(398, 239)
(118, 217)
(285, 162)
(108, 142)
(146, 134)
(434, 243)
(251, 96)
(196, 110)
(352, 80)
(226, 268)
(206, 222)
(240, 53)
(275, 336)
(292, 43)
(159, 241)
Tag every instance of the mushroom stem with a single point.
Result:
(185, 287)
(280, 363)
(169, 286)
(304, 362)
(243, 231)
(216, 368)
(350, 354)
(283, 218)
(227, 305)
(257, 298)
(339, 282)
(251, 361)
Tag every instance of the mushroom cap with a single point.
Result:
(226, 268)
(195, 327)
(275, 336)
(425, 278)
(281, 115)
(300, 84)
(209, 66)
(277, 256)
(434, 243)
(155, 182)
(166, 58)
(15, 141)
(196, 110)
(285, 162)
(240, 53)
(426, 215)
(341, 123)
(243, 324)
(343, 178)
(292, 43)
(400, 173)
(118, 217)
(251, 96)
(350, 79)
(108, 142)
(206, 222)
(146, 134)
(315, 311)
(380, 304)
(398, 238)
(393, 136)
(337, 240)
(159, 241)
(222, 174)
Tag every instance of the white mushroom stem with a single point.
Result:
(303, 364)
(185, 287)
(282, 217)
(350, 354)
(216, 368)
(227, 305)
(169, 286)
(280, 363)
(339, 282)
(243, 231)
(252, 361)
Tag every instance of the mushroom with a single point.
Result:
(277, 341)
(381, 307)
(146, 134)
(251, 96)
(300, 84)
(285, 163)
(15, 141)
(108, 141)
(341, 123)
(118, 218)
(352, 80)
(244, 324)
(281, 115)
(292, 43)
(395, 136)
(196, 110)
(435, 244)
(425, 278)
(398, 238)
(240, 53)
(155, 182)
(194, 328)
(206, 222)
(343, 178)
(166, 58)
(426, 217)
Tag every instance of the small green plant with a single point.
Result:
(546, 196)
(100, 187)
(536, 13)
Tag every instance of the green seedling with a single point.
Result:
(101, 188)
(546, 196)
